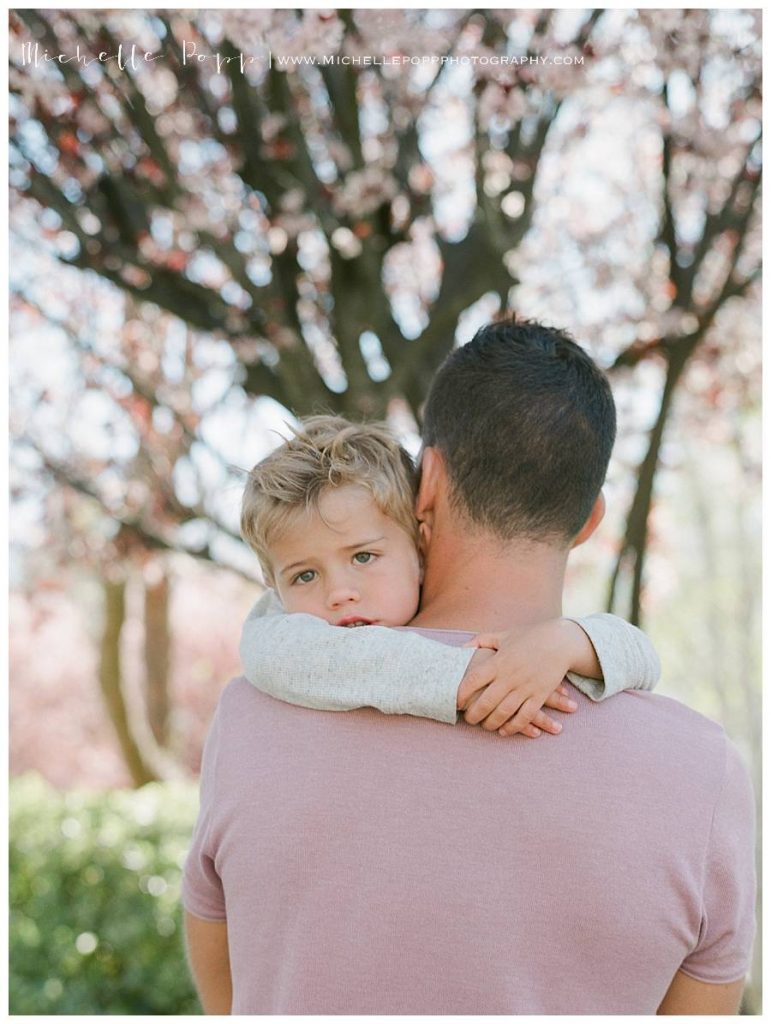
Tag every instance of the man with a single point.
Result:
(351, 863)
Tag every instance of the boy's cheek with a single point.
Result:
(290, 601)
(286, 597)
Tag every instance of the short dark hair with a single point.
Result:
(525, 421)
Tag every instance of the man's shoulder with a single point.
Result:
(643, 703)
(242, 705)
(664, 730)
(240, 695)
(246, 719)
(642, 706)
(699, 729)
(651, 726)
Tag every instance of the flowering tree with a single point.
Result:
(310, 205)
(307, 214)
(288, 209)
(708, 240)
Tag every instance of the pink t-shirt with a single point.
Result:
(377, 865)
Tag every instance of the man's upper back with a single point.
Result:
(393, 865)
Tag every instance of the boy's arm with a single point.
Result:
(509, 690)
(626, 658)
(303, 660)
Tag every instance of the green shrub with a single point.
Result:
(96, 921)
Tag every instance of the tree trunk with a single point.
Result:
(110, 680)
(157, 650)
(635, 542)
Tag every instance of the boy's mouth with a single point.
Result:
(355, 620)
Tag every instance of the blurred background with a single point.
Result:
(233, 218)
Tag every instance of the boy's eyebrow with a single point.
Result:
(363, 543)
(294, 565)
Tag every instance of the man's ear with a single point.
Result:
(591, 524)
(431, 470)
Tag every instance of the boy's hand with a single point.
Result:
(506, 690)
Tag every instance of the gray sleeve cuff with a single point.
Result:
(627, 657)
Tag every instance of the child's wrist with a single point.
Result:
(570, 639)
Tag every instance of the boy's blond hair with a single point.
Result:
(327, 451)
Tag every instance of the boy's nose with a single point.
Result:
(342, 595)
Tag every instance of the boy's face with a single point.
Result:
(346, 562)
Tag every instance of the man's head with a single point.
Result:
(330, 515)
(524, 422)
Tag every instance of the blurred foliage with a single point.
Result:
(207, 238)
(95, 924)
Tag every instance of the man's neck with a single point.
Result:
(481, 584)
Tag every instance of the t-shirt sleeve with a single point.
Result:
(202, 892)
(304, 660)
(724, 948)
(627, 657)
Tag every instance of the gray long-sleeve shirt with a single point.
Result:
(304, 660)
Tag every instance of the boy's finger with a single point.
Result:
(474, 683)
(528, 730)
(557, 702)
(524, 717)
(546, 724)
(540, 723)
(478, 674)
(503, 712)
(483, 704)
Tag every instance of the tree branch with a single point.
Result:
(470, 270)
(719, 221)
(150, 538)
(340, 82)
(667, 230)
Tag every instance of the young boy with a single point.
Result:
(330, 516)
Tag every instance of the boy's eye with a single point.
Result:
(362, 557)
(305, 577)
